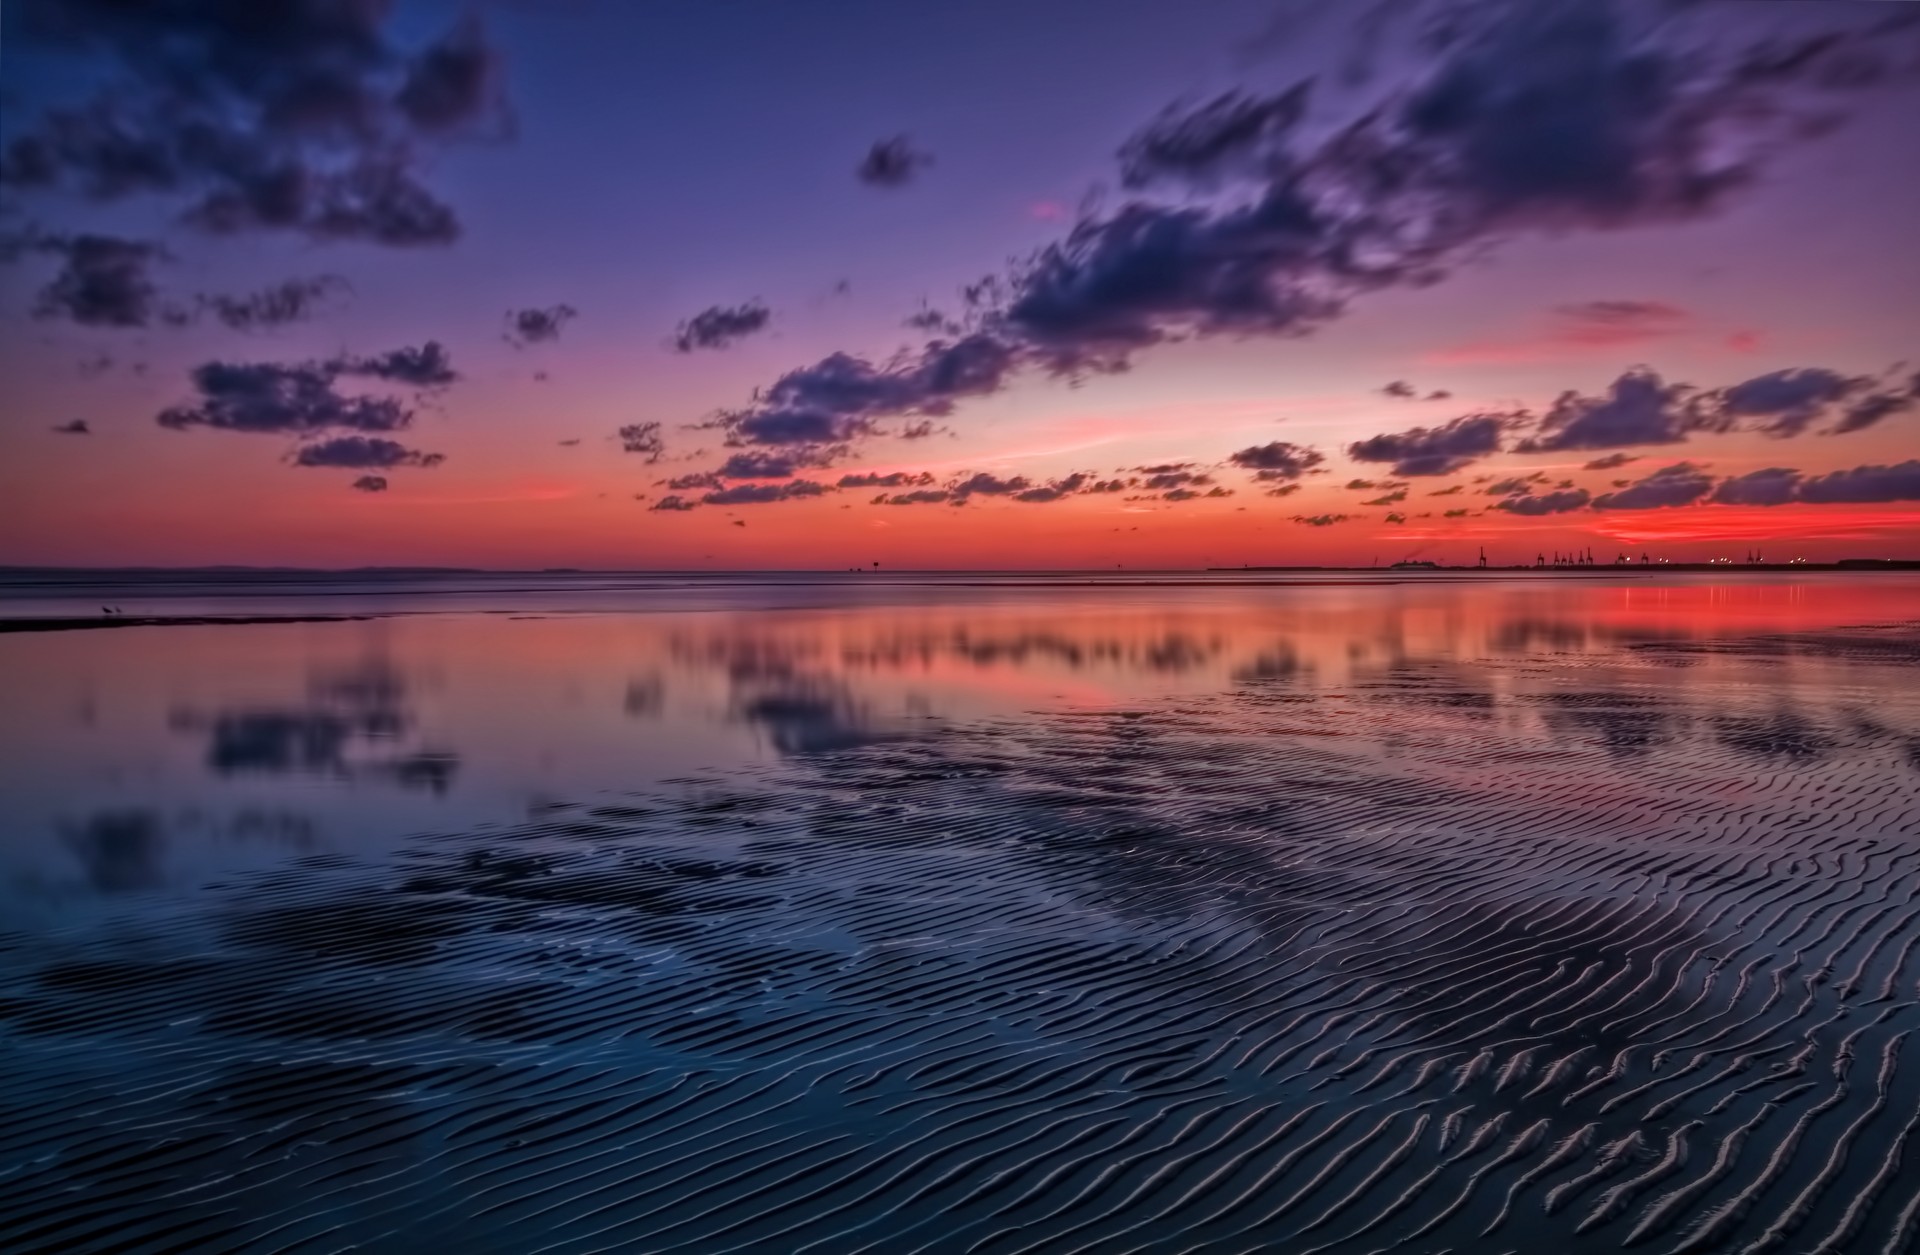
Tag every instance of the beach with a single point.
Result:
(1472, 917)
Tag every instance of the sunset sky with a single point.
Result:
(1009, 283)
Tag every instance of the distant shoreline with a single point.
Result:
(72, 624)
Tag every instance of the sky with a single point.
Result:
(757, 285)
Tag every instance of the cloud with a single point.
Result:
(1054, 490)
(921, 496)
(1865, 483)
(103, 280)
(1870, 409)
(698, 479)
(672, 505)
(289, 301)
(1788, 402)
(1436, 450)
(289, 399)
(1277, 460)
(989, 485)
(428, 366)
(1392, 498)
(1638, 409)
(895, 479)
(765, 494)
(644, 439)
(1399, 389)
(842, 396)
(370, 483)
(74, 427)
(1200, 144)
(763, 464)
(302, 117)
(892, 162)
(1176, 479)
(357, 453)
(1319, 520)
(1451, 490)
(718, 326)
(1611, 461)
(537, 324)
(1561, 502)
(1395, 518)
(1776, 485)
(1683, 483)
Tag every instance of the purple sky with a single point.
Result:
(1219, 230)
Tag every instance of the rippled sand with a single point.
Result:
(1543, 953)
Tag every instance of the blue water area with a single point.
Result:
(961, 914)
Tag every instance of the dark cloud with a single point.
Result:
(1056, 489)
(989, 485)
(1456, 514)
(1395, 518)
(1789, 402)
(1399, 389)
(895, 479)
(1514, 484)
(719, 326)
(1198, 144)
(644, 439)
(1683, 483)
(696, 480)
(537, 324)
(1282, 490)
(1561, 502)
(1436, 450)
(765, 494)
(302, 117)
(456, 80)
(672, 504)
(1277, 460)
(893, 162)
(920, 496)
(771, 464)
(1900, 482)
(1611, 461)
(103, 280)
(371, 483)
(1319, 520)
(842, 396)
(1392, 498)
(290, 399)
(1870, 409)
(1176, 479)
(1638, 409)
(289, 301)
(360, 453)
(74, 427)
(1776, 485)
(428, 366)
(1452, 490)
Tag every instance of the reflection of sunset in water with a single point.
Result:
(352, 733)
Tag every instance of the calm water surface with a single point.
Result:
(963, 914)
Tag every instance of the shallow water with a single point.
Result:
(965, 914)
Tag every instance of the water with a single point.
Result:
(962, 913)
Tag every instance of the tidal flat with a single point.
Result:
(890, 915)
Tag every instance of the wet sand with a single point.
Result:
(1286, 967)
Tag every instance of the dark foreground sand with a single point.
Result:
(1280, 969)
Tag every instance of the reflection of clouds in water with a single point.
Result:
(808, 716)
(126, 850)
(120, 851)
(348, 712)
(646, 697)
